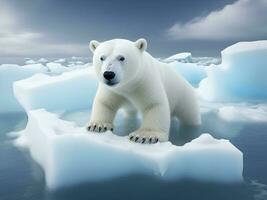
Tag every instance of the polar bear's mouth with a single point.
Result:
(111, 83)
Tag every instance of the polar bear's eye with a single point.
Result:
(102, 58)
(121, 58)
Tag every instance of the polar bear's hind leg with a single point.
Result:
(189, 114)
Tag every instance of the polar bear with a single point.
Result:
(130, 76)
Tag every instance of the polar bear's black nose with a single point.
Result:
(109, 75)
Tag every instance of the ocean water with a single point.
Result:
(22, 179)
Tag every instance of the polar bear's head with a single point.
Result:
(117, 61)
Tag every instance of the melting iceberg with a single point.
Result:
(180, 57)
(241, 76)
(69, 155)
(56, 68)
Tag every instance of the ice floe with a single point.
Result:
(68, 91)
(70, 155)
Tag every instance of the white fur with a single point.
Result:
(145, 83)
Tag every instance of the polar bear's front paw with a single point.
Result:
(99, 127)
(148, 137)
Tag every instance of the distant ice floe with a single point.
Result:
(42, 60)
(60, 60)
(69, 155)
(180, 57)
(56, 68)
(206, 61)
(241, 76)
(30, 62)
(186, 57)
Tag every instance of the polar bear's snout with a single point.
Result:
(109, 75)
(110, 78)
(111, 72)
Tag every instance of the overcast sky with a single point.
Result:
(62, 28)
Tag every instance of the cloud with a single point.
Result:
(244, 19)
(16, 41)
(31, 44)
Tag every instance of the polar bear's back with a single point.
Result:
(180, 93)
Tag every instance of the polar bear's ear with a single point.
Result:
(141, 44)
(93, 45)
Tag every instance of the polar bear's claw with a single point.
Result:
(144, 138)
(99, 127)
